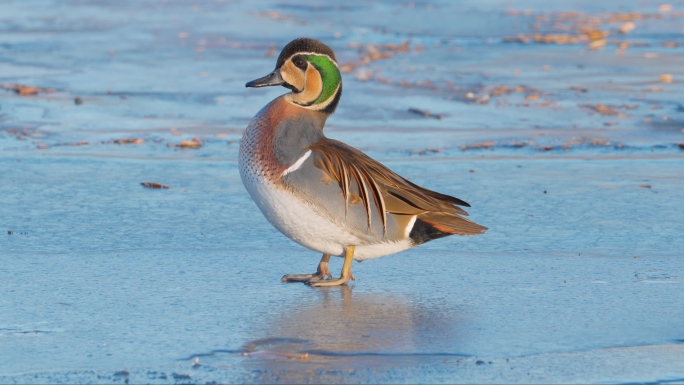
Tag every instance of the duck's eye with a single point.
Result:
(300, 63)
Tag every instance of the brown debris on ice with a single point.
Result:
(666, 78)
(81, 143)
(607, 110)
(429, 150)
(592, 30)
(196, 142)
(155, 185)
(596, 142)
(567, 145)
(500, 90)
(486, 94)
(128, 141)
(373, 52)
(26, 90)
(425, 113)
(476, 146)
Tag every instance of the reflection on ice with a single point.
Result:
(347, 329)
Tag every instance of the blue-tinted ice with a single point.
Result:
(570, 155)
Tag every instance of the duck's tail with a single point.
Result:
(432, 225)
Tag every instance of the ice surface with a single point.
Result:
(578, 280)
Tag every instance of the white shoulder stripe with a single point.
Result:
(410, 225)
(298, 163)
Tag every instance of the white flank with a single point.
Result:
(298, 163)
(364, 252)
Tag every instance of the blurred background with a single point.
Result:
(543, 75)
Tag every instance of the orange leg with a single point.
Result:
(345, 275)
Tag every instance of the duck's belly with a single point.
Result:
(296, 219)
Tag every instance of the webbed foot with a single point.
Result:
(320, 273)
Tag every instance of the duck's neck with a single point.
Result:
(279, 134)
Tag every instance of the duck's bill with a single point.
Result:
(272, 79)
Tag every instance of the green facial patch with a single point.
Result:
(330, 76)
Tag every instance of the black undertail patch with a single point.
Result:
(423, 232)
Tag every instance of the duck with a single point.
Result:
(322, 193)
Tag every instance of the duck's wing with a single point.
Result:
(382, 192)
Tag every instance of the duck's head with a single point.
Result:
(308, 68)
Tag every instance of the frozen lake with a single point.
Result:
(561, 123)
